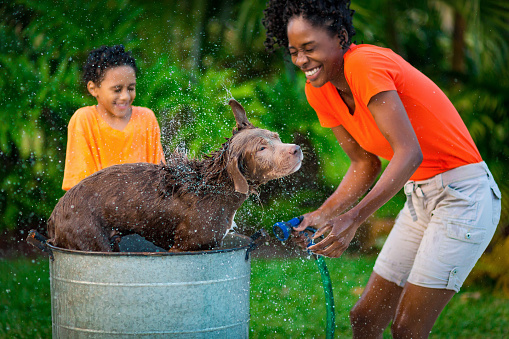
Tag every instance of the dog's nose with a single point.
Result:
(295, 149)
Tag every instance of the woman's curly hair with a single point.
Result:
(103, 58)
(335, 16)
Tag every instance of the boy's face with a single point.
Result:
(116, 92)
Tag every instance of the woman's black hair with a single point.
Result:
(335, 16)
(103, 58)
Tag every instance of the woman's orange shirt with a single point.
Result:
(93, 145)
(444, 139)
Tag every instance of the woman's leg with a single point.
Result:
(464, 218)
(375, 309)
(418, 310)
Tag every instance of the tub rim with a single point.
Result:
(248, 244)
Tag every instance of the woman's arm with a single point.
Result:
(392, 120)
(363, 170)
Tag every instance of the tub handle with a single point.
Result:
(257, 239)
(38, 240)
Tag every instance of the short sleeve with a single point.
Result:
(370, 73)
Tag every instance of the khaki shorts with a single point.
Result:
(446, 224)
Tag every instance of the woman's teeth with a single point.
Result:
(312, 72)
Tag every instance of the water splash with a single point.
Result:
(228, 96)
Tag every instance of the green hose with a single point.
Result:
(329, 297)
(282, 230)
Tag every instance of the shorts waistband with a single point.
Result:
(458, 174)
(443, 179)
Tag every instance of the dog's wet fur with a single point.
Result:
(185, 205)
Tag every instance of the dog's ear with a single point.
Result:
(239, 180)
(240, 115)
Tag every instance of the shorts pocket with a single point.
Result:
(461, 243)
(457, 205)
(497, 204)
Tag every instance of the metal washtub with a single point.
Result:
(151, 294)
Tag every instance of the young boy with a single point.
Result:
(113, 131)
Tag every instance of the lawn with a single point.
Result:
(287, 301)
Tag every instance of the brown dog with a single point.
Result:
(186, 205)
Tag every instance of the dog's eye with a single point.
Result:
(261, 148)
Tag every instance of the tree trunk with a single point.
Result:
(458, 43)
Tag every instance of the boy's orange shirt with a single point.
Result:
(444, 139)
(93, 145)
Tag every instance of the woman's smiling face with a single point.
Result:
(316, 52)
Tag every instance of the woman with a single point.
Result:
(378, 105)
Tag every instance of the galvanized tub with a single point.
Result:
(152, 295)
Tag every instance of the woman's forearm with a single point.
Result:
(394, 177)
(357, 180)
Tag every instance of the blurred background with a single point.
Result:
(193, 55)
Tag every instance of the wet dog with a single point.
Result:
(185, 205)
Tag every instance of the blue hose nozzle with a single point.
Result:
(283, 229)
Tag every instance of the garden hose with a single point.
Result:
(282, 231)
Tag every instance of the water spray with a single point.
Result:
(283, 230)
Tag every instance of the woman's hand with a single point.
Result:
(313, 220)
(341, 231)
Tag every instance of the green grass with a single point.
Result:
(287, 301)
(25, 306)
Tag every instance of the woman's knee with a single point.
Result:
(361, 314)
(408, 328)
(401, 329)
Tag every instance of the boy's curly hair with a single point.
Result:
(335, 16)
(103, 58)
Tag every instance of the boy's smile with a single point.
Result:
(115, 94)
